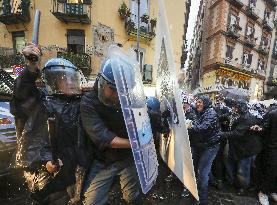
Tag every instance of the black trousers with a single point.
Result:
(266, 163)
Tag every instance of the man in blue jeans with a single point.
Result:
(104, 124)
(204, 140)
(244, 145)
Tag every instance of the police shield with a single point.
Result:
(133, 103)
(175, 147)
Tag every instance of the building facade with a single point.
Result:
(82, 30)
(270, 89)
(236, 45)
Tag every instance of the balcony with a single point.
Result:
(273, 3)
(264, 50)
(260, 72)
(246, 67)
(237, 3)
(7, 61)
(80, 60)
(268, 25)
(252, 12)
(146, 32)
(233, 31)
(72, 12)
(229, 62)
(249, 41)
(14, 12)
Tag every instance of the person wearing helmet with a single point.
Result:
(50, 150)
(158, 123)
(104, 124)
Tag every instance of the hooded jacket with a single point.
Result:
(243, 142)
(205, 128)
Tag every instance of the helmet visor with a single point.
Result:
(62, 80)
(107, 93)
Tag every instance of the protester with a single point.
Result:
(243, 146)
(218, 169)
(204, 143)
(267, 159)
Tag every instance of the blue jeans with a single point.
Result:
(100, 179)
(239, 171)
(203, 158)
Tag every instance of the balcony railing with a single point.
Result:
(72, 12)
(230, 62)
(146, 32)
(80, 60)
(7, 61)
(261, 72)
(233, 31)
(246, 67)
(234, 65)
(263, 50)
(252, 12)
(249, 41)
(268, 24)
(14, 12)
(237, 3)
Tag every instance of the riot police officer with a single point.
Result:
(50, 150)
(104, 123)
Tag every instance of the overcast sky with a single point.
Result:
(192, 19)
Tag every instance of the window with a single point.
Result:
(250, 30)
(247, 59)
(144, 9)
(229, 52)
(233, 19)
(267, 15)
(253, 2)
(233, 23)
(18, 41)
(147, 73)
(140, 57)
(265, 41)
(76, 40)
(261, 64)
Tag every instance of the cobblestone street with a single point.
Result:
(13, 192)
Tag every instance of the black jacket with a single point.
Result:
(102, 124)
(270, 131)
(32, 107)
(243, 142)
(205, 128)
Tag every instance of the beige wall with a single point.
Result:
(53, 31)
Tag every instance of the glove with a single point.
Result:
(222, 136)
(33, 54)
(189, 124)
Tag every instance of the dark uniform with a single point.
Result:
(32, 107)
